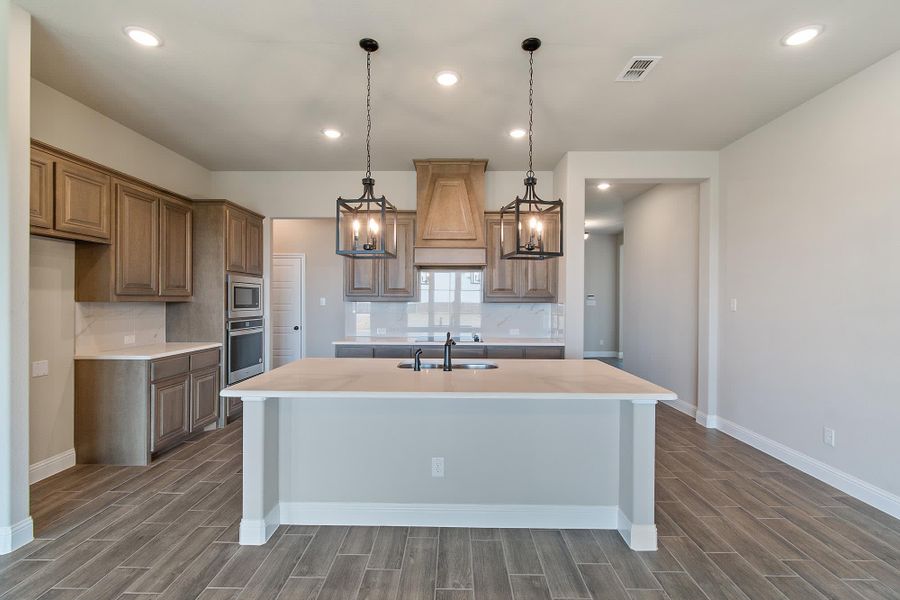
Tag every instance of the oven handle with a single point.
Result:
(233, 333)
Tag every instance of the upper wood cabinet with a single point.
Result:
(385, 279)
(68, 199)
(175, 250)
(151, 258)
(516, 280)
(137, 241)
(82, 200)
(243, 242)
(41, 191)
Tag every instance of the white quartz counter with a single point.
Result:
(413, 341)
(380, 378)
(148, 352)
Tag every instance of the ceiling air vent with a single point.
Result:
(637, 68)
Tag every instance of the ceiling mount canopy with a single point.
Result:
(374, 214)
(537, 225)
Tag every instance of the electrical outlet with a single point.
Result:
(513, 332)
(321, 300)
(129, 340)
(733, 304)
(437, 466)
(381, 331)
(602, 342)
(828, 436)
(40, 368)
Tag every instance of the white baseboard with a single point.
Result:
(641, 538)
(681, 406)
(708, 421)
(600, 354)
(621, 355)
(450, 515)
(861, 490)
(51, 466)
(256, 532)
(16, 536)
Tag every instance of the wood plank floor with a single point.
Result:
(733, 523)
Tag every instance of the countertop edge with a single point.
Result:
(261, 395)
(135, 354)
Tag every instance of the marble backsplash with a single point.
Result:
(405, 319)
(104, 326)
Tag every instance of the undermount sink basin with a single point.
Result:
(462, 364)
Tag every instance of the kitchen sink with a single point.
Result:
(457, 364)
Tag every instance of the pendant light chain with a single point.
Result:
(368, 114)
(530, 113)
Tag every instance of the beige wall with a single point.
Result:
(601, 278)
(52, 338)
(811, 253)
(65, 123)
(324, 278)
(660, 287)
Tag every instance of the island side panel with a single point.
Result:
(260, 473)
(508, 462)
(637, 459)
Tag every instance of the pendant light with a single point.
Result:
(367, 226)
(536, 225)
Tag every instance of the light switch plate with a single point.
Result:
(513, 332)
(40, 368)
(381, 331)
(129, 340)
(321, 300)
(437, 466)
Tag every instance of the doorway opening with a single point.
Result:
(641, 277)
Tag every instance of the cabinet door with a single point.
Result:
(398, 279)
(175, 252)
(235, 241)
(539, 277)
(204, 398)
(361, 278)
(501, 280)
(254, 241)
(170, 408)
(234, 407)
(137, 241)
(82, 200)
(41, 193)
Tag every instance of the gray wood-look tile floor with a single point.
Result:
(733, 523)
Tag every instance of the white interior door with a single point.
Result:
(287, 309)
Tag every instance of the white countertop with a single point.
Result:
(149, 352)
(413, 341)
(380, 378)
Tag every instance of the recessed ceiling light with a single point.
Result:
(143, 37)
(332, 133)
(802, 36)
(517, 133)
(447, 78)
(604, 186)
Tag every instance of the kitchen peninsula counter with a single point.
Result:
(539, 443)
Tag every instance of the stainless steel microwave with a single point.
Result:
(245, 297)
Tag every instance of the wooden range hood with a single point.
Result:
(450, 213)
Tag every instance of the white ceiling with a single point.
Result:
(604, 210)
(242, 85)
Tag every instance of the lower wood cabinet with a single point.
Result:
(459, 352)
(126, 411)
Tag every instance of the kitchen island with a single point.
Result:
(539, 444)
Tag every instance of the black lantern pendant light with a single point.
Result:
(367, 226)
(537, 225)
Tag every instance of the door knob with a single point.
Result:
(296, 328)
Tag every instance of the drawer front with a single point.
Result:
(545, 352)
(465, 352)
(353, 351)
(505, 352)
(207, 358)
(393, 351)
(169, 367)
